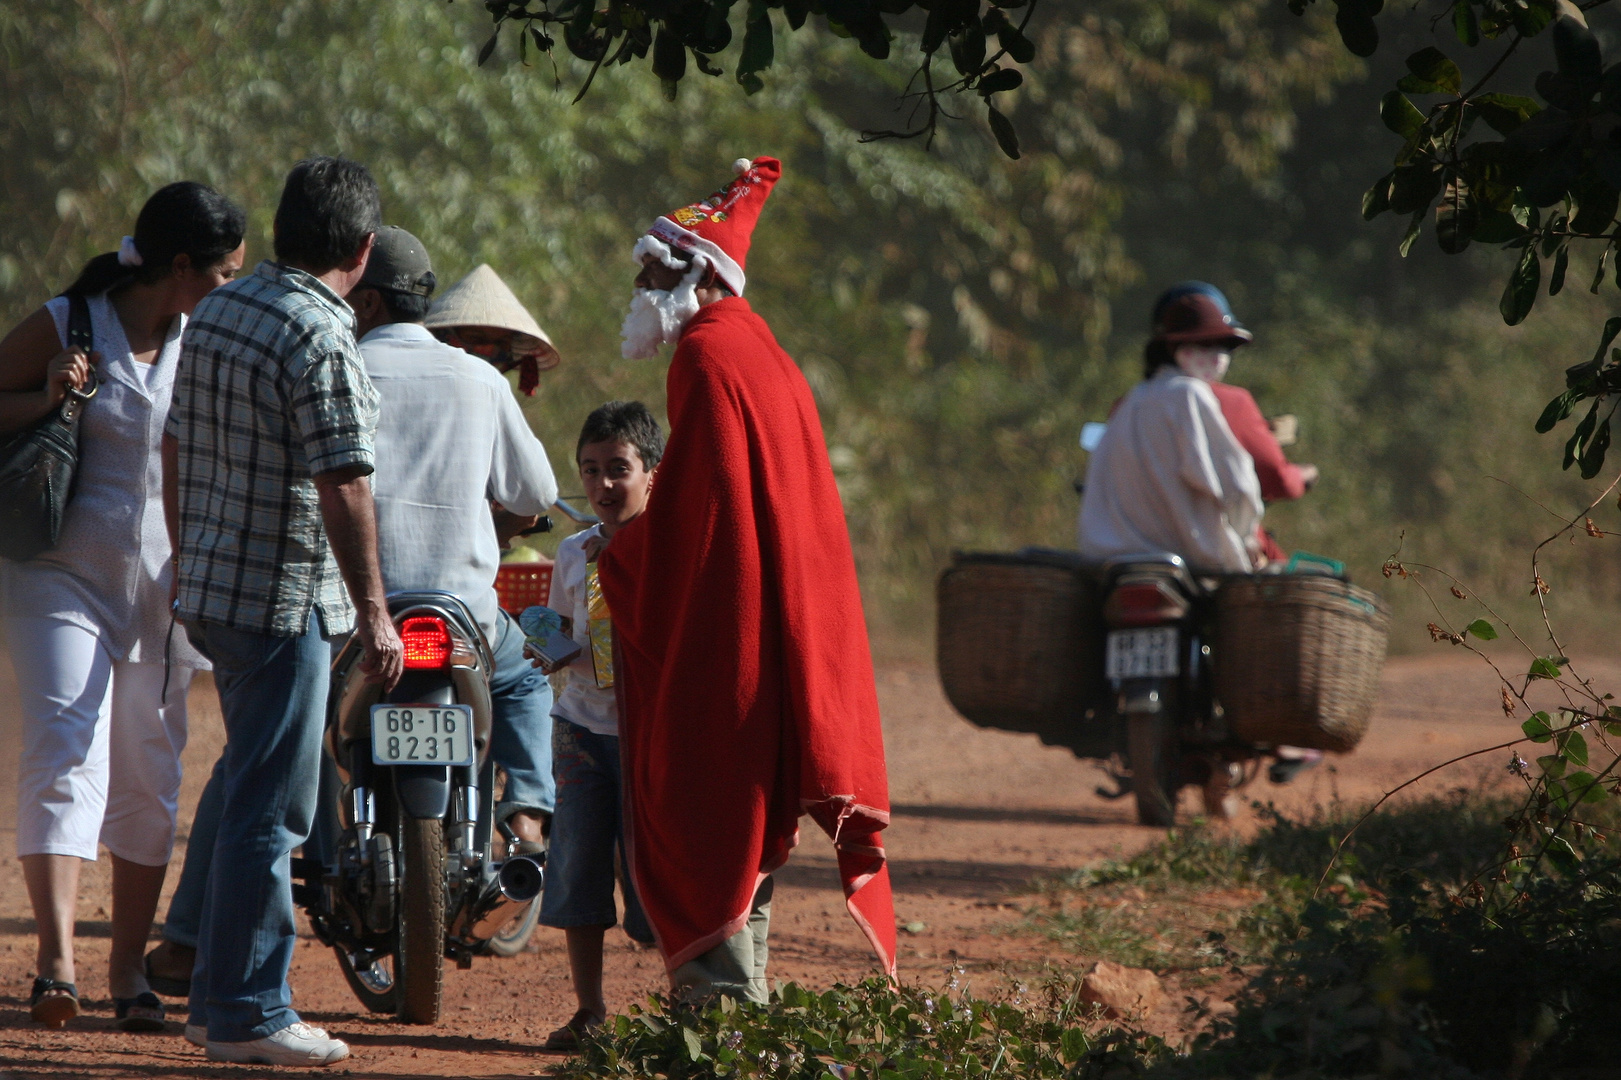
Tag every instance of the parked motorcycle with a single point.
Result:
(413, 876)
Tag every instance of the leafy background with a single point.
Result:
(959, 315)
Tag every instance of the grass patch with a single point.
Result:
(865, 1032)
(1204, 898)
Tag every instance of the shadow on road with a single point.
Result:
(941, 877)
(1008, 815)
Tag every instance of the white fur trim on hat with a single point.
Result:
(127, 254)
(726, 268)
(652, 245)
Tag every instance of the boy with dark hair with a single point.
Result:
(619, 448)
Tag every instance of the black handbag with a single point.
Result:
(37, 464)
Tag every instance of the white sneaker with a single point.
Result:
(296, 1044)
(197, 1034)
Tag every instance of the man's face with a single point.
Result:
(655, 275)
(488, 342)
(659, 310)
(616, 481)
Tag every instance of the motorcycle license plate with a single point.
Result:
(422, 734)
(1141, 654)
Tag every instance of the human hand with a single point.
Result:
(536, 660)
(70, 367)
(509, 525)
(384, 658)
(1308, 475)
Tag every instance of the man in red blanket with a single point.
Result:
(747, 695)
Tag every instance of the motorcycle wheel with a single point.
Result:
(420, 944)
(374, 986)
(511, 938)
(1151, 743)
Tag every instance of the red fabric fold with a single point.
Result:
(1279, 478)
(746, 686)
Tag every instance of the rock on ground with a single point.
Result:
(1122, 991)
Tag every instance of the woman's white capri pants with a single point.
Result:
(100, 749)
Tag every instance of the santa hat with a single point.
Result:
(716, 231)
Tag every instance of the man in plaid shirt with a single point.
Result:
(267, 453)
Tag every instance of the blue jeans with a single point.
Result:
(273, 697)
(588, 836)
(521, 728)
(186, 905)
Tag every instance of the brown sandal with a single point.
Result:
(566, 1039)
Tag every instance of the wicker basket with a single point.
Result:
(1020, 648)
(1298, 659)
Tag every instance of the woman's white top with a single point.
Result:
(110, 571)
(1168, 475)
(582, 701)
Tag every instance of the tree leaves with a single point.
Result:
(1400, 115)
(1002, 128)
(1521, 291)
(758, 48)
(1481, 629)
(1354, 21)
(1431, 73)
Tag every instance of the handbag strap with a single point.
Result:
(82, 337)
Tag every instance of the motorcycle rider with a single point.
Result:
(1169, 474)
(450, 436)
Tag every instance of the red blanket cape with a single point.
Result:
(745, 678)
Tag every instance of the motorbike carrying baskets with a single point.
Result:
(1298, 659)
(1020, 647)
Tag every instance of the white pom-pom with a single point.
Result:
(742, 165)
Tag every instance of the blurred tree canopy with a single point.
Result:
(954, 310)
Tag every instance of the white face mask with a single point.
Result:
(1207, 362)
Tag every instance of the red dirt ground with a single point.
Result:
(978, 816)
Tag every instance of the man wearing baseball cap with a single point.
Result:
(1169, 474)
(450, 436)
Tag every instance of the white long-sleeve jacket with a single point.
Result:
(1169, 476)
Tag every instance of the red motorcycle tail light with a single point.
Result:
(427, 641)
(1143, 604)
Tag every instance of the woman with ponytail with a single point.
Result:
(102, 670)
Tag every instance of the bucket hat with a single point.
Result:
(483, 299)
(1196, 312)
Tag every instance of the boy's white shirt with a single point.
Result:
(581, 701)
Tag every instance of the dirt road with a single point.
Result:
(978, 816)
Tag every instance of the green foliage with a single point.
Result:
(865, 1032)
(1206, 898)
(979, 39)
(1552, 181)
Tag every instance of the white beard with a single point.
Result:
(657, 317)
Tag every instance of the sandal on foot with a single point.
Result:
(567, 1037)
(53, 1002)
(170, 985)
(143, 1012)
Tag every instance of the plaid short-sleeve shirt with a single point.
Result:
(270, 391)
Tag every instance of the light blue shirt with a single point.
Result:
(450, 437)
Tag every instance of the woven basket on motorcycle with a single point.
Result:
(1298, 659)
(1019, 644)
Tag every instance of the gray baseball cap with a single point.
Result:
(399, 263)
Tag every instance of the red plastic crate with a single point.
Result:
(522, 585)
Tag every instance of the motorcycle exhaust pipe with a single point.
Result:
(519, 880)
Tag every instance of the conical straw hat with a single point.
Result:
(483, 299)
